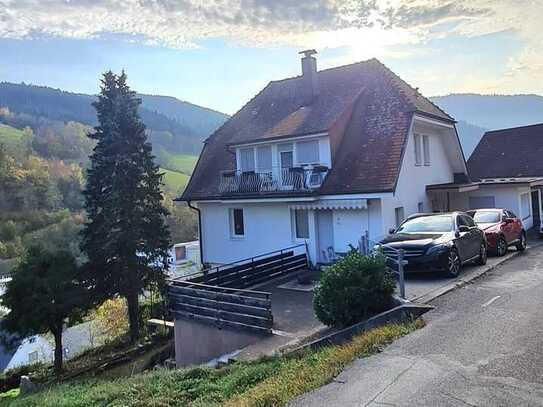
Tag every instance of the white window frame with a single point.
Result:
(295, 225)
(418, 149)
(232, 225)
(426, 150)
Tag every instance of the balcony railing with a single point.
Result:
(276, 179)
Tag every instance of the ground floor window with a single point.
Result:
(399, 212)
(237, 223)
(301, 223)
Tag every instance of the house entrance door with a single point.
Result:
(325, 236)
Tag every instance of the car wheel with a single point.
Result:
(453, 263)
(483, 255)
(501, 247)
(521, 245)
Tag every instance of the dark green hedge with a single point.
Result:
(353, 289)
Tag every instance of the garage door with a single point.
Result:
(480, 202)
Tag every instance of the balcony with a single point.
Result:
(295, 179)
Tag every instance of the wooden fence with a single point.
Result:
(247, 310)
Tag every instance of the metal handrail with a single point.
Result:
(239, 262)
(272, 179)
(222, 289)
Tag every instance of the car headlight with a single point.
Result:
(440, 248)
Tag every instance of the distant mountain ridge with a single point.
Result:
(187, 123)
(493, 111)
(478, 113)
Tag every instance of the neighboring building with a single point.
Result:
(508, 166)
(40, 348)
(185, 259)
(322, 159)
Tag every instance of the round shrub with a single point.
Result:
(353, 289)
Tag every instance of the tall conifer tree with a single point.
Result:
(126, 238)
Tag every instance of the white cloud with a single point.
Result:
(367, 28)
(182, 23)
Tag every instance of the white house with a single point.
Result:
(323, 159)
(508, 166)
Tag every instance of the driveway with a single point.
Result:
(421, 287)
(481, 346)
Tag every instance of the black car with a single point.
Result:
(443, 241)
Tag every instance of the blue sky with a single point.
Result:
(220, 54)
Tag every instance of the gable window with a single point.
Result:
(418, 149)
(237, 223)
(307, 152)
(399, 213)
(426, 149)
(247, 159)
(301, 223)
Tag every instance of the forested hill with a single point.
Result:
(493, 111)
(477, 113)
(174, 125)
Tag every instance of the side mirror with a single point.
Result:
(391, 231)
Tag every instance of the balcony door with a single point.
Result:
(286, 163)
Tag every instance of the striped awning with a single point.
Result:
(332, 204)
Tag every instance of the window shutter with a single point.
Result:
(264, 158)
(307, 152)
(247, 159)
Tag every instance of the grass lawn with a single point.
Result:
(174, 181)
(178, 162)
(266, 382)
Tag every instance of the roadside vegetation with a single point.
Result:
(262, 383)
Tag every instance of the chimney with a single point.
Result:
(309, 75)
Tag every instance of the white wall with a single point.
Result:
(506, 196)
(411, 187)
(349, 226)
(268, 227)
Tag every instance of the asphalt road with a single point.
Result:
(482, 346)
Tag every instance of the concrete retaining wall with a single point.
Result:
(197, 343)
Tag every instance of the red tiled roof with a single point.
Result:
(367, 149)
(515, 152)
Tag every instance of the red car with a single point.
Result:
(502, 229)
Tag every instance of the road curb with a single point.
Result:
(453, 285)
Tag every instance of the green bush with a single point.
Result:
(353, 289)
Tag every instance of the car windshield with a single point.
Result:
(440, 223)
(486, 217)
